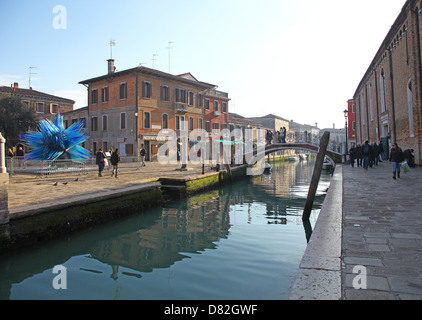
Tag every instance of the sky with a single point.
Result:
(300, 60)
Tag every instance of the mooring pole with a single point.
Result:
(316, 176)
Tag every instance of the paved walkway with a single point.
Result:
(26, 190)
(382, 231)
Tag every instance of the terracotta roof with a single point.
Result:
(154, 72)
(33, 94)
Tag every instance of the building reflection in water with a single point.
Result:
(188, 229)
(200, 222)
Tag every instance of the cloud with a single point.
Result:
(9, 79)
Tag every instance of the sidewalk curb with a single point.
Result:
(319, 275)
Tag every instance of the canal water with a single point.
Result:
(240, 242)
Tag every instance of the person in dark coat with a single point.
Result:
(352, 153)
(409, 157)
(99, 160)
(375, 154)
(366, 154)
(359, 155)
(396, 157)
(114, 160)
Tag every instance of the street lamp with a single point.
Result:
(346, 113)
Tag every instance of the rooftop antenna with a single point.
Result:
(153, 59)
(112, 44)
(30, 74)
(169, 48)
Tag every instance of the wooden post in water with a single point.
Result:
(316, 176)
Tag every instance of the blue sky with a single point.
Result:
(301, 60)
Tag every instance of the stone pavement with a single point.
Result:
(27, 190)
(382, 232)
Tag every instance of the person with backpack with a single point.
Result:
(396, 157)
(366, 153)
(114, 160)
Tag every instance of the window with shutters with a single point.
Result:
(104, 94)
(123, 91)
(146, 90)
(165, 93)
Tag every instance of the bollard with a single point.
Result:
(2, 154)
(4, 185)
(316, 176)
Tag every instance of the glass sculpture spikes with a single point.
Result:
(53, 141)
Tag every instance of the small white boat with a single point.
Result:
(267, 167)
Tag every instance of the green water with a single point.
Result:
(240, 242)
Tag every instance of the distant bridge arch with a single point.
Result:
(334, 157)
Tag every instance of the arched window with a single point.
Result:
(410, 108)
(383, 94)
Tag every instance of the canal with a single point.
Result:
(239, 242)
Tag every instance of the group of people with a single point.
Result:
(19, 152)
(101, 160)
(366, 155)
(279, 138)
(369, 155)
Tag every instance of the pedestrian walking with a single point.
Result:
(143, 154)
(396, 157)
(114, 160)
(409, 156)
(352, 153)
(359, 155)
(100, 158)
(375, 154)
(366, 154)
(20, 152)
(283, 136)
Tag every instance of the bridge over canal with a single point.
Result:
(335, 157)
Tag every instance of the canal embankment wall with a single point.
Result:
(319, 275)
(34, 223)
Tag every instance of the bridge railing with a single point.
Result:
(305, 137)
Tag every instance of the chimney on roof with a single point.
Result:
(111, 67)
(16, 85)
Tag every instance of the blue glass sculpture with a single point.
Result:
(53, 141)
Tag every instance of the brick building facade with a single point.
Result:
(44, 105)
(388, 100)
(131, 107)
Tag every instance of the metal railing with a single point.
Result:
(18, 165)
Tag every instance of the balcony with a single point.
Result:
(180, 107)
(217, 113)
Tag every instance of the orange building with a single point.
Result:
(129, 108)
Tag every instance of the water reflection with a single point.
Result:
(191, 228)
(249, 229)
